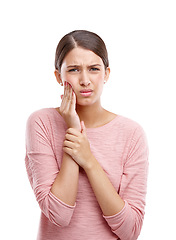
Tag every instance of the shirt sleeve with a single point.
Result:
(42, 169)
(128, 222)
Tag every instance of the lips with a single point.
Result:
(86, 92)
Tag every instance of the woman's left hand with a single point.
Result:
(76, 145)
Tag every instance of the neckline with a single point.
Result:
(108, 124)
(105, 126)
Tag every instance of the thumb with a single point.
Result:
(83, 128)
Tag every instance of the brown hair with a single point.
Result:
(84, 39)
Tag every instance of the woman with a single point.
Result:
(86, 165)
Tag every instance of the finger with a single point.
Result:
(65, 84)
(83, 128)
(64, 104)
(70, 137)
(73, 102)
(70, 90)
(73, 131)
(68, 151)
(67, 93)
(70, 100)
(63, 95)
(68, 144)
(67, 103)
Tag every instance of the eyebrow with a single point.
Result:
(93, 65)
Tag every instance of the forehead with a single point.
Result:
(80, 56)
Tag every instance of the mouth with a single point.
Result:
(86, 92)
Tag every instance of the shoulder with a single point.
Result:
(122, 121)
(37, 120)
(39, 115)
(128, 123)
(134, 135)
(129, 127)
(47, 118)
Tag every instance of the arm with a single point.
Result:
(124, 211)
(55, 190)
(42, 169)
(109, 200)
(77, 146)
(127, 224)
(66, 183)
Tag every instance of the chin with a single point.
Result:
(85, 102)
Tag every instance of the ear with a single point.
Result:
(107, 73)
(58, 77)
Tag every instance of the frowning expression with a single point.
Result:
(86, 73)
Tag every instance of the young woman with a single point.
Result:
(86, 165)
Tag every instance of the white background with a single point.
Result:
(141, 41)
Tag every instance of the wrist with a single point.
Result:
(91, 164)
(75, 125)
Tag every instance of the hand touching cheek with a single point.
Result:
(68, 108)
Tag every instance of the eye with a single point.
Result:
(94, 69)
(73, 70)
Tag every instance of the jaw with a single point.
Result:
(88, 106)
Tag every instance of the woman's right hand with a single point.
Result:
(68, 108)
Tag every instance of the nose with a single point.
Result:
(84, 79)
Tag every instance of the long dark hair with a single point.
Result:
(84, 39)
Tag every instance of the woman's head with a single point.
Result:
(82, 61)
(83, 39)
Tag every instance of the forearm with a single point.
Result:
(66, 183)
(107, 196)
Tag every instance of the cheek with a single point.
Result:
(70, 79)
(99, 81)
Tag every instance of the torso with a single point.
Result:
(110, 144)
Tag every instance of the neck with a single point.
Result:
(91, 115)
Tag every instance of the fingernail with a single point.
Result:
(61, 96)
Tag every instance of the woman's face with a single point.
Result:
(85, 72)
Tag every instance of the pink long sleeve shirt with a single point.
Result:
(121, 149)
